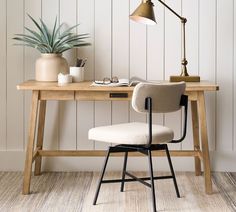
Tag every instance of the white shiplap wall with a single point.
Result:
(125, 49)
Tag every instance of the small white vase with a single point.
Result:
(48, 66)
(64, 79)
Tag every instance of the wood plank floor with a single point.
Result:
(74, 191)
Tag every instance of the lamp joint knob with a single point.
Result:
(184, 20)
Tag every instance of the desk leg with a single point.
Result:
(204, 142)
(39, 145)
(30, 146)
(195, 124)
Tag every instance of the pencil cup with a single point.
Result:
(77, 74)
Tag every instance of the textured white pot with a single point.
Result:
(48, 66)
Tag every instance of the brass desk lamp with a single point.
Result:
(145, 14)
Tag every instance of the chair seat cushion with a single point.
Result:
(131, 133)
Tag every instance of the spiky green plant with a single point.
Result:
(54, 41)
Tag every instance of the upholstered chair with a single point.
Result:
(148, 98)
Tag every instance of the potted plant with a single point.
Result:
(51, 44)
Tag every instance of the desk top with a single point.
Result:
(85, 86)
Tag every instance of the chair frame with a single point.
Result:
(146, 150)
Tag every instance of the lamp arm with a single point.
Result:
(180, 17)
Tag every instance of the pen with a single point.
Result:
(83, 62)
(79, 62)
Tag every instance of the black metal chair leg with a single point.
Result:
(101, 177)
(152, 180)
(123, 172)
(172, 172)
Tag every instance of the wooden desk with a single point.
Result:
(43, 91)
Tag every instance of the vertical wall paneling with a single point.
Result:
(50, 10)
(234, 71)
(190, 10)
(138, 54)
(155, 51)
(85, 109)
(67, 114)
(32, 8)
(138, 48)
(120, 38)
(155, 45)
(123, 48)
(224, 74)
(120, 54)
(102, 118)
(103, 39)
(3, 72)
(68, 12)
(85, 121)
(85, 17)
(15, 68)
(103, 49)
(207, 59)
(173, 59)
(172, 40)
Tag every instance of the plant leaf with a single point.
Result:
(37, 35)
(26, 40)
(53, 33)
(82, 44)
(46, 32)
(28, 36)
(37, 25)
(47, 41)
(42, 50)
(58, 31)
(32, 42)
(69, 39)
(67, 31)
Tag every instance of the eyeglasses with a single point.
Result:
(107, 80)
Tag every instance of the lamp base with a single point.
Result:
(185, 78)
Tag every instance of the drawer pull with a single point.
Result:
(118, 95)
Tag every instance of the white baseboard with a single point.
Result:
(14, 161)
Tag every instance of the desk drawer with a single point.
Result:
(57, 95)
(102, 95)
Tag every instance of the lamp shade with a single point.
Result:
(144, 13)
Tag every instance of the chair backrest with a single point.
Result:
(165, 96)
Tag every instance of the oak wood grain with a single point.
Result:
(30, 146)
(86, 86)
(39, 144)
(204, 142)
(102, 153)
(195, 125)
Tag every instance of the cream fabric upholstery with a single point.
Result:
(165, 96)
(131, 133)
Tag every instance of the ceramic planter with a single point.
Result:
(48, 66)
